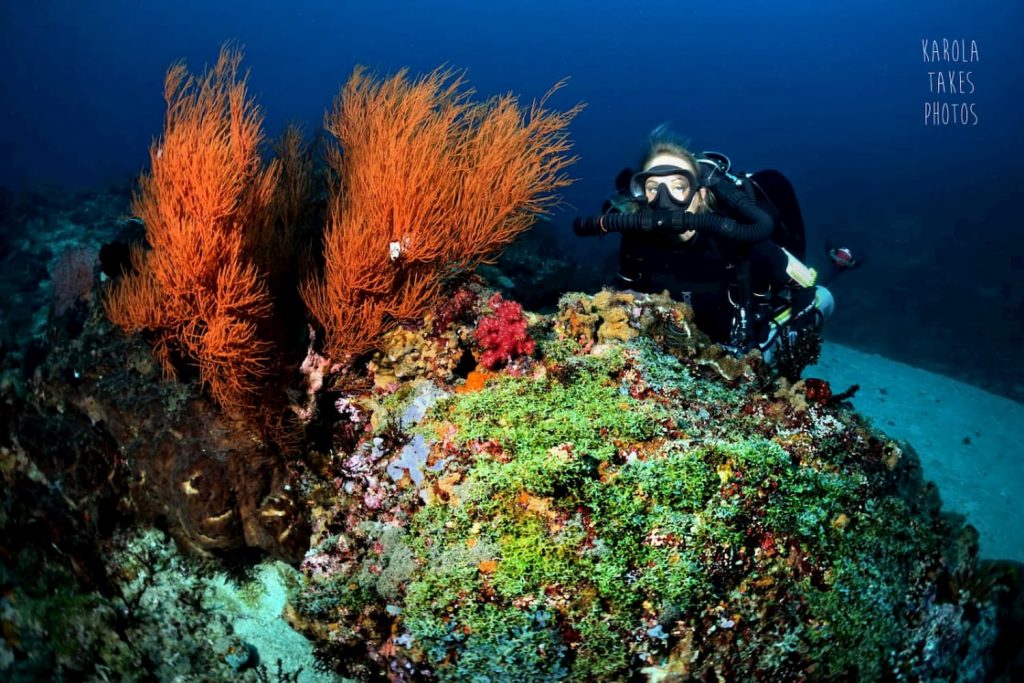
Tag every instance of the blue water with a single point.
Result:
(833, 95)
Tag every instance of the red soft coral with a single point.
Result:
(503, 335)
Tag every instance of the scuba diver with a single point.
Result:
(727, 244)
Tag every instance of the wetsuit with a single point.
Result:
(744, 288)
(707, 272)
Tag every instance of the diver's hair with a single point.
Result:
(664, 140)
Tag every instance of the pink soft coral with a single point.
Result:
(503, 335)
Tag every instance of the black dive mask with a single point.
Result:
(663, 198)
(664, 201)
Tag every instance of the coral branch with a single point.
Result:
(430, 185)
(206, 188)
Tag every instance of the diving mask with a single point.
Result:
(674, 187)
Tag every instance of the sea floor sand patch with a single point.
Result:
(969, 441)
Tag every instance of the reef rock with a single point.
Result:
(639, 505)
(101, 424)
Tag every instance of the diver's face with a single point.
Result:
(679, 187)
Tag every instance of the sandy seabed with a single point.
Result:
(969, 441)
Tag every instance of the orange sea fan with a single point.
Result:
(194, 289)
(428, 185)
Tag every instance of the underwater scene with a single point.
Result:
(513, 341)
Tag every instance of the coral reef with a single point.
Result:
(611, 316)
(154, 621)
(623, 504)
(628, 508)
(158, 615)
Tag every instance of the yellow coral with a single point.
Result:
(411, 354)
(577, 320)
(615, 326)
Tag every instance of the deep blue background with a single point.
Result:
(830, 93)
